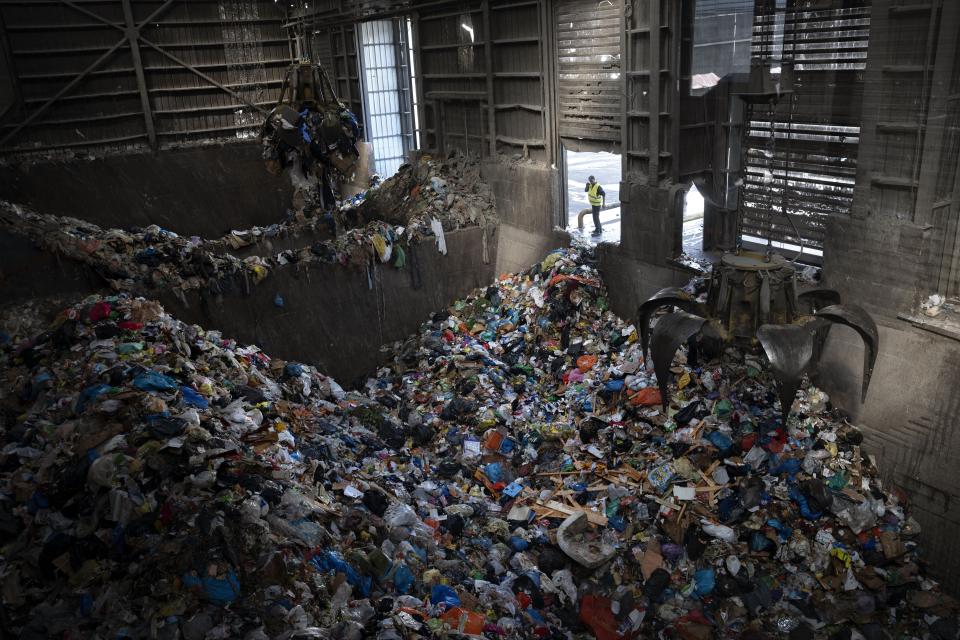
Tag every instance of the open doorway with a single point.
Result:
(693, 224)
(606, 168)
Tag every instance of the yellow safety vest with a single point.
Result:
(593, 196)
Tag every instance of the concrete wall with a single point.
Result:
(335, 317)
(204, 191)
(528, 203)
(880, 263)
(910, 415)
(910, 424)
(338, 317)
(631, 280)
(638, 267)
(28, 274)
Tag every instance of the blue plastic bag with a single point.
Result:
(153, 381)
(441, 593)
(193, 399)
(720, 440)
(801, 501)
(333, 562)
(89, 394)
(518, 544)
(704, 580)
(219, 592)
(613, 386)
(403, 579)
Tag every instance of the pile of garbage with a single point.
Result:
(426, 199)
(508, 474)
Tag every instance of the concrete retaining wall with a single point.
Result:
(528, 201)
(203, 191)
(338, 317)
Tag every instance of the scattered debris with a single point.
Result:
(510, 474)
(378, 225)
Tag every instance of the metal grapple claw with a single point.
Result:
(672, 330)
(819, 298)
(860, 321)
(669, 296)
(789, 349)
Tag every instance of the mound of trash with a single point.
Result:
(425, 199)
(508, 474)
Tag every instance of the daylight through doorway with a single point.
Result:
(606, 168)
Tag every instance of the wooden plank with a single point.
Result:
(592, 516)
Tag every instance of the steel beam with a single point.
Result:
(133, 35)
(190, 67)
(93, 66)
(944, 65)
(93, 15)
(65, 90)
(7, 51)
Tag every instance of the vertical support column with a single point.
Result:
(133, 36)
(654, 115)
(346, 66)
(626, 48)
(402, 56)
(938, 107)
(418, 70)
(548, 54)
(491, 102)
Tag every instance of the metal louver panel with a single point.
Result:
(589, 84)
(802, 155)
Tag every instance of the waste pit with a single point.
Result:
(509, 473)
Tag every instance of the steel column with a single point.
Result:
(654, 111)
(133, 36)
(488, 56)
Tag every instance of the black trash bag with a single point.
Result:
(551, 559)
(376, 502)
(658, 582)
(422, 434)
(817, 494)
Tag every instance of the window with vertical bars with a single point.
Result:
(388, 89)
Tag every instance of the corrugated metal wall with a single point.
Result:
(590, 89)
(482, 72)
(79, 80)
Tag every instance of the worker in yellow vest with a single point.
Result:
(598, 198)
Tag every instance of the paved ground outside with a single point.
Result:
(606, 168)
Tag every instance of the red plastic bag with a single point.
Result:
(595, 613)
(647, 397)
(585, 363)
(99, 311)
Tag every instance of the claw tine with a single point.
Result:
(860, 321)
(789, 349)
(819, 297)
(666, 297)
(672, 330)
